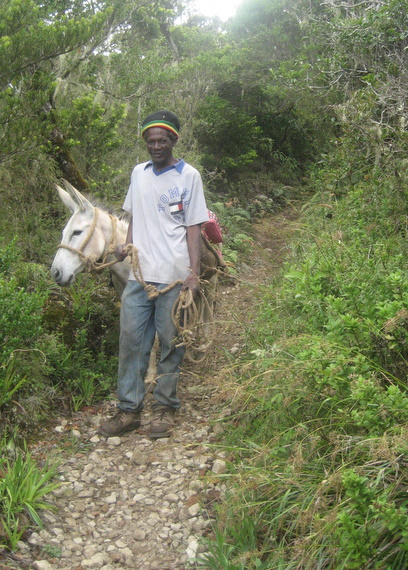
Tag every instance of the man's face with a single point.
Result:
(160, 146)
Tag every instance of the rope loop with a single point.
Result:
(193, 318)
(192, 315)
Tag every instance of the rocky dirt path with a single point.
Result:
(134, 503)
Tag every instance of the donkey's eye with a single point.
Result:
(76, 233)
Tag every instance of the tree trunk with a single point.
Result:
(66, 162)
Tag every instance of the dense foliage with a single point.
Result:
(289, 99)
(320, 424)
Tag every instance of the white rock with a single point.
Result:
(129, 557)
(42, 565)
(97, 561)
(139, 497)
(34, 539)
(175, 526)
(44, 534)
(89, 551)
(111, 499)
(139, 534)
(194, 509)
(114, 441)
(140, 458)
(22, 546)
(184, 514)
(196, 485)
(94, 456)
(219, 466)
(172, 498)
(192, 549)
(86, 493)
(160, 480)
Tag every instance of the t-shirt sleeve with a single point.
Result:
(127, 204)
(196, 211)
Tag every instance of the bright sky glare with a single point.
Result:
(224, 9)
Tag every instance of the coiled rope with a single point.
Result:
(192, 315)
(194, 320)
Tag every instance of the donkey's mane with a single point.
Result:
(121, 214)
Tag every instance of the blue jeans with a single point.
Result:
(140, 319)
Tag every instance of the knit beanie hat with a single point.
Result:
(163, 119)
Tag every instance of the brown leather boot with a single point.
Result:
(121, 422)
(163, 422)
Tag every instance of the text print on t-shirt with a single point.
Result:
(174, 202)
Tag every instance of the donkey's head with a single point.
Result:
(82, 237)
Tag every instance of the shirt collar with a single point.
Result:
(178, 166)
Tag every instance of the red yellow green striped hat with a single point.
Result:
(163, 119)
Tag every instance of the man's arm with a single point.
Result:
(194, 249)
(119, 251)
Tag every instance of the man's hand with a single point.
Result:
(120, 252)
(193, 283)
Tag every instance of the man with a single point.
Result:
(167, 206)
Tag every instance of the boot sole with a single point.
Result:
(160, 434)
(125, 430)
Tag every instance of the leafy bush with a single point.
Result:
(20, 319)
(83, 321)
(226, 134)
(372, 524)
(53, 344)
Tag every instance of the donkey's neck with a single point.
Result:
(120, 270)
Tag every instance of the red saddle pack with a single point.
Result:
(212, 229)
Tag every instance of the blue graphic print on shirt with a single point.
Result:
(175, 202)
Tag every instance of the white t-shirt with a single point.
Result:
(162, 205)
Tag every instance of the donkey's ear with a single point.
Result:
(67, 200)
(78, 202)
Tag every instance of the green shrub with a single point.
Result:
(226, 134)
(53, 343)
(372, 523)
(20, 318)
(23, 296)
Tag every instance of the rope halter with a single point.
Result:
(90, 263)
